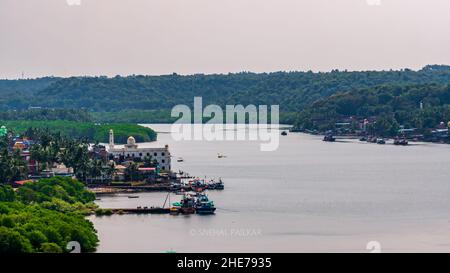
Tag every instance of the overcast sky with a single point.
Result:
(110, 37)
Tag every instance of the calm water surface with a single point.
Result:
(306, 196)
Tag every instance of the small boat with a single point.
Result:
(284, 133)
(212, 185)
(204, 206)
(187, 204)
(221, 156)
(175, 209)
(363, 138)
(402, 141)
(219, 185)
(381, 141)
(197, 185)
(133, 196)
(372, 139)
(180, 159)
(329, 138)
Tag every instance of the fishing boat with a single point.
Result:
(402, 141)
(187, 204)
(381, 141)
(204, 206)
(197, 185)
(284, 133)
(180, 159)
(372, 140)
(363, 138)
(175, 209)
(133, 196)
(221, 156)
(219, 185)
(212, 185)
(329, 138)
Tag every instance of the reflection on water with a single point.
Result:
(306, 196)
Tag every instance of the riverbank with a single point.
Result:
(374, 138)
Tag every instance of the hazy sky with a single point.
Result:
(110, 37)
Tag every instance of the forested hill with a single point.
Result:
(413, 106)
(293, 91)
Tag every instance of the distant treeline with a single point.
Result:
(119, 98)
(413, 106)
(164, 116)
(85, 130)
(47, 114)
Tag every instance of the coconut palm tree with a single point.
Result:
(132, 172)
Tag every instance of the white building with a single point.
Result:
(131, 150)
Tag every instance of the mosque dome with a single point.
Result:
(131, 141)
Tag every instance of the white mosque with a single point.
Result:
(131, 150)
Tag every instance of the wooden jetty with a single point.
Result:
(143, 210)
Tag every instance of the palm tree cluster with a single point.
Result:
(12, 165)
(49, 149)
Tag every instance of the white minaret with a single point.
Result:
(111, 139)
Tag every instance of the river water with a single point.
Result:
(307, 196)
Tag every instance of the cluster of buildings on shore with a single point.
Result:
(121, 157)
(358, 126)
(131, 153)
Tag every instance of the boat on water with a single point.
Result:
(212, 185)
(221, 156)
(400, 141)
(175, 209)
(284, 133)
(180, 159)
(187, 204)
(197, 185)
(363, 138)
(133, 196)
(372, 139)
(329, 138)
(381, 141)
(193, 202)
(204, 206)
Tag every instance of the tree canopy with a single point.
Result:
(44, 216)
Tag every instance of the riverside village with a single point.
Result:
(105, 170)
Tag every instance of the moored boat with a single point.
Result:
(187, 204)
(329, 138)
(401, 141)
(204, 206)
(212, 185)
(175, 209)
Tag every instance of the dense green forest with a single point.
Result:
(47, 114)
(44, 216)
(85, 130)
(412, 106)
(116, 99)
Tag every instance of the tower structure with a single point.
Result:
(111, 139)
